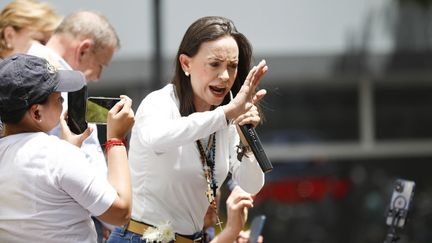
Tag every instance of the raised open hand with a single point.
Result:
(247, 96)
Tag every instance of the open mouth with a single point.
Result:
(218, 90)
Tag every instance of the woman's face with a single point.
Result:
(23, 38)
(51, 111)
(213, 71)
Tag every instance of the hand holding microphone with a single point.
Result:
(255, 144)
(243, 111)
(247, 123)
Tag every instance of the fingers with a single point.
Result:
(238, 210)
(249, 76)
(261, 70)
(258, 96)
(127, 106)
(260, 239)
(238, 203)
(106, 232)
(127, 101)
(124, 104)
(65, 132)
(250, 117)
(67, 135)
(247, 95)
(63, 115)
(120, 118)
(83, 136)
(117, 107)
(243, 237)
(63, 120)
(252, 80)
(238, 195)
(243, 204)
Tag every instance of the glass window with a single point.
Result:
(311, 113)
(403, 112)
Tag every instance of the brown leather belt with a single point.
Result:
(139, 228)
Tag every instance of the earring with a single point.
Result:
(8, 45)
(187, 73)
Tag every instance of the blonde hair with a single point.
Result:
(30, 14)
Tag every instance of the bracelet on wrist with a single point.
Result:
(242, 150)
(114, 142)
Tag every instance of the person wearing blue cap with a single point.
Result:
(47, 188)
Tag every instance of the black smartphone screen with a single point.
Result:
(76, 110)
(97, 109)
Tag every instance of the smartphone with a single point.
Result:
(403, 192)
(256, 228)
(97, 109)
(76, 110)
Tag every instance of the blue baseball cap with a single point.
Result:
(26, 80)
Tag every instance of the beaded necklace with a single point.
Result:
(208, 164)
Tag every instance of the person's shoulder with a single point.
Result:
(163, 99)
(55, 144)
(62, 153)
(39, 50)
(160, 94)
(37, 138)
(40, 143)
(167, 89)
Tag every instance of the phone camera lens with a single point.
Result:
(400, 202)
(399, 186)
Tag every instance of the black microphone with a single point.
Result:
(254, 142)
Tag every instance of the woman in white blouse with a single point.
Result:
(184, 141)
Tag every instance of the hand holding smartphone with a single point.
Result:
(97, 109)
(76, 110)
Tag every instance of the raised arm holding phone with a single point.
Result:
(47, 188)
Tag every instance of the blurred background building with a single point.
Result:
(348, 108)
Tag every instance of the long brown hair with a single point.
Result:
(202, 30)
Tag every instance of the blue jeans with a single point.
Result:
(121, 235)
(99, 230)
